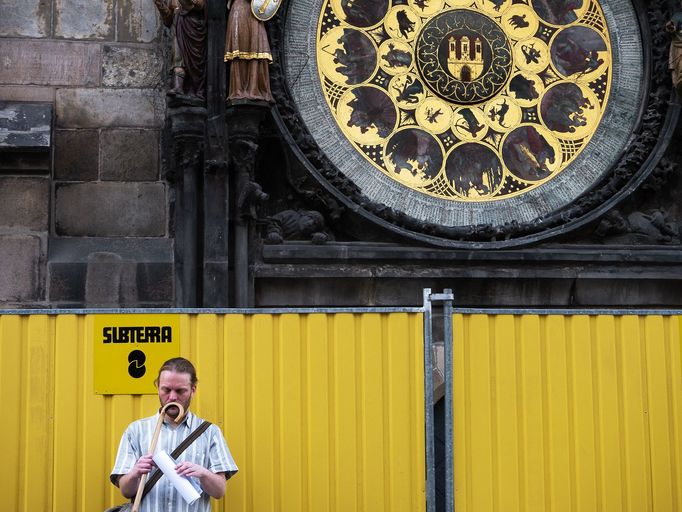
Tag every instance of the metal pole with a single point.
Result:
(428, 404)
(446, 299)
(449, 403)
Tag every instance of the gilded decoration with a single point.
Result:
(470, 101)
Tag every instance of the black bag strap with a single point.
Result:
(181, 448)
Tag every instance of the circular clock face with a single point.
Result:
(466, 112)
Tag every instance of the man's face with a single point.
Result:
(175, 387)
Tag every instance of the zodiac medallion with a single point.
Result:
(463, 56)
(466, 100)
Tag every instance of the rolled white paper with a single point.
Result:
(184, 485)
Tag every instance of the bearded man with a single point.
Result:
(208, 461)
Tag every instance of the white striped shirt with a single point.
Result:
(209, 450)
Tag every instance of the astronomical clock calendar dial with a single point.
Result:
(465, 112)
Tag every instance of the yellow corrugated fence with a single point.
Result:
(323, 412)
(567, 413)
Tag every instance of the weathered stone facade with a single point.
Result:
(67, 236)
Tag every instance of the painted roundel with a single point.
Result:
(463, 56)
(462, 112)
(465, 101)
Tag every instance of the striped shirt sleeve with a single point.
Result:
(220, 458)
(127, 455)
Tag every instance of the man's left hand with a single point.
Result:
(212, 483)
(187, 468)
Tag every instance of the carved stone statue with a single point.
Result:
(674, 27)
(248, 52)
(250, 196)
(296, 225)
(187, 22)
(650, 227)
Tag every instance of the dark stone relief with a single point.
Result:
(306, 225)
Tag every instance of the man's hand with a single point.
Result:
(190, 469)
(143, 466)
(212, 483)
(128, 483)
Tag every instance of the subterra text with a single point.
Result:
(146, 334)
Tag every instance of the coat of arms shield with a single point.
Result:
(265, 9)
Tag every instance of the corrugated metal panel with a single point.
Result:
(568, 413)
(323, 412)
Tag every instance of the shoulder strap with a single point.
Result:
(181, 448)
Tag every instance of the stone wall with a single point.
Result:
(95, 230)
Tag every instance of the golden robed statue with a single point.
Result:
(247, 49)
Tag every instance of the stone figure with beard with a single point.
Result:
(187, 22)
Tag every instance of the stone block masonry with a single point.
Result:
(26, 18)
(138, 21)
(102, 64)
(48, 62)
(113, 209)
(21, 271)
(108, 108)
(129, 155)
(81, 165)
(84, 19)
(24, 203)
(125, 66)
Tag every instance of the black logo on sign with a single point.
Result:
(136, 368)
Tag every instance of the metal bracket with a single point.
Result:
(447, 295)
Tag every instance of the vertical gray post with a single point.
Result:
(428, 404)
(445, 299)
(449, 403)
